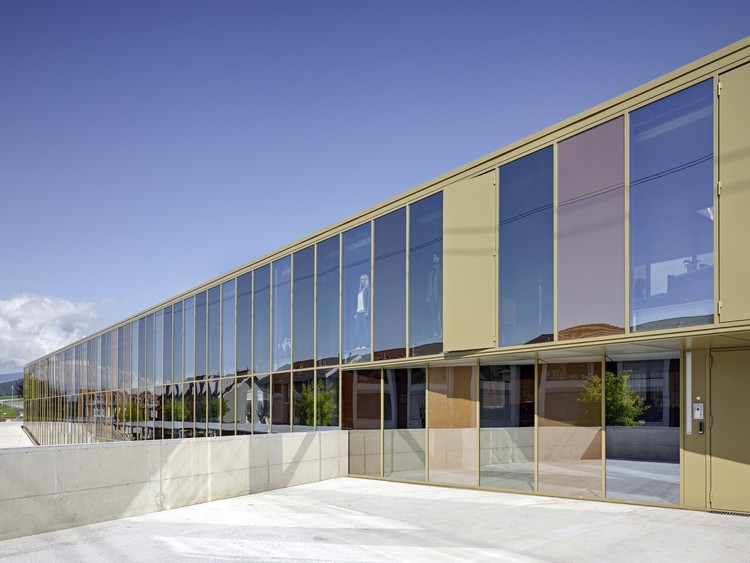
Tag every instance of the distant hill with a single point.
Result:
(8, 382)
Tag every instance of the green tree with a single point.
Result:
(304, 404)
(219, 408)
(130, 410)
(623, 406)
(175, 409)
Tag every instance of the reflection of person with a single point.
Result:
(362, 314)
(435, 297)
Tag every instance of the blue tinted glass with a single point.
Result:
(426, 276)
(200, 335)
(526, 249)
(389, 286)
(355, 309)
(150, 350)
(244, 322)
(168, 345)
(327, 302)
(177, 342)
(214, 330)
(159, 347)
(189, 338)
(141, 352)
(262, 320)
(227, 328)
(671, 211)
(282, 313)
(304, 306)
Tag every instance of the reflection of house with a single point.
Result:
(465, 329)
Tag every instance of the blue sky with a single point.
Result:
(146, 147)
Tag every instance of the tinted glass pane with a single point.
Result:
(177, 342)
(355, 313)
(214, 331)
(426, 276)
(591, 233)
(327, 321)
(200, 335)
(168, 345)
(389, 286)
(281, 408)
(570, 428)
(261, 404)
(127, 356)
(217, 407)
(159, 347)
(244, 405)
(304, 306)
(120, 358)
(227, 328)
(643, 430)
(230, 403)
(262, 320)
(303, 409)
(141, 352)
(360, 415)
(671, 211)
(404, 417)
(150, 339)
(282, 313)
(506, 427)
(526, 249)
(134, 353)
(189, 338)
(327, 399)
(244, 322)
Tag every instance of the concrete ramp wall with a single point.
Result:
(49, 488)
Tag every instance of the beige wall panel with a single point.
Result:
(734, 202)
(694, 456)
(470, 267)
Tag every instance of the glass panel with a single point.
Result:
(244, 323)
(389, 283)
(281, 407)
(217, 408)
(591, 233)
(168, 345)
(200, 335)
(570, 428)
(404, 417)
(201, 407)
(149, 350)
(159, 347)
(127, 358)
(506, 427)
(230, 406)
(157, 408)
(214, 331)
(262, 320)
(168, 412)
(141, 352)
(304, 401)
(355, 318)
(671, 211)
(282, 313)
(227, 329)
(643, 430)
(526, 250)
(261, 404)
(189, 338)
(327, 399)
(360, 414)
(177, 342)
(426, 276)
(244, 397)
(304, 307)
(327, 321)
(452, 423)
(182, 413)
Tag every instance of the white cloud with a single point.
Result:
(34, 325)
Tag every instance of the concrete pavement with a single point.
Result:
(351, 519)
(13, 436)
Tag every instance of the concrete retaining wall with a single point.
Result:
(54, 487)
(643, 442)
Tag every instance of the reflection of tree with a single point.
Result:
(263, 411)
(623, 406)
(130, 410)
(219, 408)
(304, 404)
(175, 409)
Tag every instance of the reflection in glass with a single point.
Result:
(262, 320)
(177, 342)
(201, 406)
(591, 233)
(159, 347)
(327, 302)
(227, 328)
(526, 250)
(304, 401)
(228, 408)
(570, 429)
(281, 408)
(189, 339)
(127, 357)
(355, 313)
(404, 418)
(452, 423)
(643, 430)
(244, 323)
(671, 211)
(389, 282)
(200, 335)
(304, 307)
(261, 404)
(216, 407)
(214, 331)
(150, 339)
(282, 313)
(157, 412)
(360, 414)
(327, 399)
(167, 345)
(426, 276)
(244, 405)
(506, 427)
